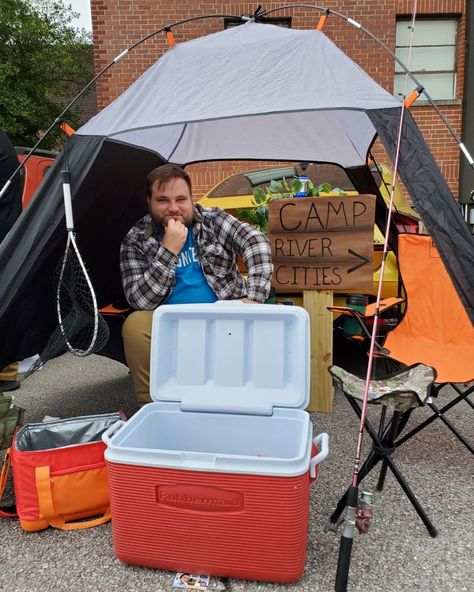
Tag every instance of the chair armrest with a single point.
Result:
(355, 314)
(111, 310)
(347, 311)
(385, 304)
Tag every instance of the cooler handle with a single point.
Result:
(322, 444)
(111, 431)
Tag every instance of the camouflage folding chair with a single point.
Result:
(402, 391)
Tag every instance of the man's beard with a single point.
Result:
(162, 221)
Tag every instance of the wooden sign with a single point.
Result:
(322, 243)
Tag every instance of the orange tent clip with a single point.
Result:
(322, 20)
(408, 102)
(170, 37)
(67, 129)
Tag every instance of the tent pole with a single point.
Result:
(118, 58)
(258, 13)
(407, 71)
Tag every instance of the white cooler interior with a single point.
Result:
(162, 435)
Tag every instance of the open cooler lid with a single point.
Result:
(230, 357)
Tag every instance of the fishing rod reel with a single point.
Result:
(360, 516)
(358, 513)
(364, 511)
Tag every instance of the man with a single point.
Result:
(182, 253)
(10, 209)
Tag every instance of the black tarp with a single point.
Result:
(432, 199)
(10, 204)
(107, 199)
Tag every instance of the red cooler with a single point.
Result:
(213, 477)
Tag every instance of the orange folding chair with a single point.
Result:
(435, 328)
(434, 333)
(114, 315)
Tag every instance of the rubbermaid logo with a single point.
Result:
(201, 498)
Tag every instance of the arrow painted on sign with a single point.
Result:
(364, 261)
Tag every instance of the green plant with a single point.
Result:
(258, 215)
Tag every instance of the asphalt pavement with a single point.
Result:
(397, 554)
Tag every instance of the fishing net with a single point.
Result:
(81, 329)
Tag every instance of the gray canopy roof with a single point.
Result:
(221, 97)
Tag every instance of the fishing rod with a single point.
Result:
(408, 101)
(59, 119)
(81, 328)
(356, 509)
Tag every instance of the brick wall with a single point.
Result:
(118, 25)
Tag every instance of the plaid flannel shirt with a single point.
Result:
(148, 268)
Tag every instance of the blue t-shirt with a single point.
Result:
(191, 285)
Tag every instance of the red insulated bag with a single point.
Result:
(59, 473)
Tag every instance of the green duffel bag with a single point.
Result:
(10, 417)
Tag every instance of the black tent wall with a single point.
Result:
(364, 182)
(10, 204)
(432, 199)
(107, 200)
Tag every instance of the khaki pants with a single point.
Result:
(9, 372)
(136, 332)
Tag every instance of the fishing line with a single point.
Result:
(386, 186)
(384, 257)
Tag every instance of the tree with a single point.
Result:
(44, 62)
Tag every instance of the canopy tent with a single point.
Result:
(224, 95)
(251, 92)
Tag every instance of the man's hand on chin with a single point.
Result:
(248, 301)
(175, 236)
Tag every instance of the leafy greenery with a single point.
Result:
(258, 215)
(44, 62)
